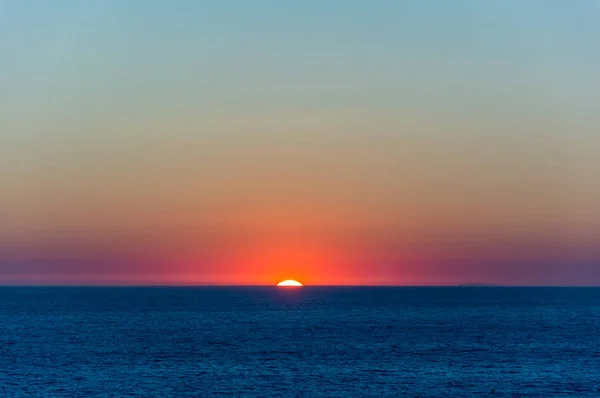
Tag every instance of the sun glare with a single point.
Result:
(289, 282)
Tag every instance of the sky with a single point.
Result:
(335, 142)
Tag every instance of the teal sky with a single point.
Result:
(172, 125)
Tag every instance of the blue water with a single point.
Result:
(262, 341)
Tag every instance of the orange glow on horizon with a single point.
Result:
(273, 260)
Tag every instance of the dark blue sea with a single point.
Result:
(312, 342)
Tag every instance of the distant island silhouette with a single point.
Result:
(479, 284)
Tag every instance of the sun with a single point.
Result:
(290, 282)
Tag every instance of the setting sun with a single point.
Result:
(289, 282)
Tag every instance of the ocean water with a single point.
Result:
(313, 341)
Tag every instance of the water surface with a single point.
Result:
(313, 341)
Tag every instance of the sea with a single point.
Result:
(299, 342)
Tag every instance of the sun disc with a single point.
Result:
(290, 282)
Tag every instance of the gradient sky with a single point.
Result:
(333, 142)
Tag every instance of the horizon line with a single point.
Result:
(142, 285)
